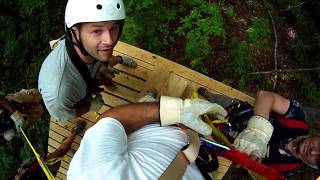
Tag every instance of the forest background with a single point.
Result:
(248, 44)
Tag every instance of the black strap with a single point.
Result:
(92, 86)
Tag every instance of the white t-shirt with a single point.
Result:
(106, 152)
(61, 84)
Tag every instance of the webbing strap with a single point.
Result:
(176, 169)
(92, 86)
(42, 164)
(179, 165)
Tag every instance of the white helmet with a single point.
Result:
(80, 11)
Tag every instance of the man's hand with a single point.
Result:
(254, 139)
(96, 103)
(188, 112)
(18, 119)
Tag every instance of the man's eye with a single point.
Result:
(96, 31)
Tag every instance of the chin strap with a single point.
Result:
(69, 33)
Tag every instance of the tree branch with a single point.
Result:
(289, 8)
(285, 71)
(275, 44)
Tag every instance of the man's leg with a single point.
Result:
(67, 142)
(63, 148)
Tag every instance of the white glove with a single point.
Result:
(254, 139)
(9, 134)
(18, 119)
(96, 103)
(175, 110)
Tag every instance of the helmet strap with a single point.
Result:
(79, 43)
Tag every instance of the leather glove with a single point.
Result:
(188, 112)
(18, 119)
(254, 139)
(96, 103)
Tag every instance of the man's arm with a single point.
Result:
(134, 116)
(268, 101)
(169, 111)
(5, 104)
(82, 108)
(254, 139)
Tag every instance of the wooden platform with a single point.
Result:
(166, 76)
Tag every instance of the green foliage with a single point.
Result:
(309, 89)
(203, 22)
(147, 29)
(24, 35)
(229, 11)
(259, 31)
(240, 61)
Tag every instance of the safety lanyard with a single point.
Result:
(43, 166)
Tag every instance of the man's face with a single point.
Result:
(308, 149)
(99, 38)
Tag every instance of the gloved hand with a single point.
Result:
(254, 139)
(128, 61)
(96, 103)
(188, 112)
(9, 134)
(18, 119)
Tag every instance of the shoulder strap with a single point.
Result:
(92, 86)
(179, 165)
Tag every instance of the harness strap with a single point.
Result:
(284, 167)
(42, 164)
(292, 123)
(92, 87)
(179, 165)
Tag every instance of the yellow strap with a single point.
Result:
(96, 115)
(215, 131)
(53, 160)
(217, 121)
(42, 164)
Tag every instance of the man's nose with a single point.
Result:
(107, 38)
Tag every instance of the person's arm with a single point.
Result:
(169, 111)
(134, 116)
(16, 116)
(268, 101)
(82, 108)
(92, 104)
(5, 104)
(254, 139)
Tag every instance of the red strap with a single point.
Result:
(243, 159)
(292, 123)
(284, 167)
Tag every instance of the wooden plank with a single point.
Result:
(175, 86)
(63, 170)
(141, 62)
(157, 80)
(129, 81)
(182, 71)
(112, 100)
(61, 176)
(123, 92)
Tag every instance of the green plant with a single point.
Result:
(203, 22)
(240, 61)
(259, 31)
(229, 11)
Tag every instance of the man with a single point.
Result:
(66, 77)
(17, 110)
(31, 169)
(134, 141)
(278, 135)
